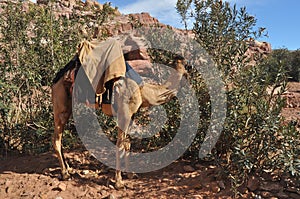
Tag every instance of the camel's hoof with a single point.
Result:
(119, 185)
(65, 176)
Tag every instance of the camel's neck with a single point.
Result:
(159, 94)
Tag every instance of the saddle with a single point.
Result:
(84, 92)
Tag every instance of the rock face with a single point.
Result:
(120, 24)
(68, 7)
(257, 50)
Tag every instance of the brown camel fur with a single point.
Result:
(129, 97)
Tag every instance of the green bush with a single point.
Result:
(34, 45)
(254, 138)
(290, 60)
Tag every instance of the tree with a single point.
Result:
(183, 9)
(294, 71)
(250, 141)
(290, 60)
(34, 44)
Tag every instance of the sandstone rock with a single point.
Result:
(126, 27)
(61, 187)
(144, 19)
(142, 67)
(132, 53)
(126, 23)
(89, 3)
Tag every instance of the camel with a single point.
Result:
(129, 97)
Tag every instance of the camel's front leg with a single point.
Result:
(119, 150)
(128, 99)
(123, 143)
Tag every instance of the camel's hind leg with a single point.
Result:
(62, 108)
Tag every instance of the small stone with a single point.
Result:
(8, 190)
(103, 192)
(130, 186)
(111, 196)
(215, 188)
(178, 179)
(253, 183)
(85, 172)
(111, 186)
(188, 168)
(266, 194)
(193, 175)
(198, 186)
(221, 185)
(61, 186)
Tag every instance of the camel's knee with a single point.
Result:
(126, 143)
(60, 121)
(64, 117)
(56, 141)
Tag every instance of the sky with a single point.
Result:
(281, 18)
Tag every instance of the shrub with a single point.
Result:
(253, 138)
(33, 45)
(290, 60)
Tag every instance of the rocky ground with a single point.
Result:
(38, 176)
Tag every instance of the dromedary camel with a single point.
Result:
(128, 103)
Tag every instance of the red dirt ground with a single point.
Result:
(38, 176)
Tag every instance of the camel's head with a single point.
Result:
(179, 65)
